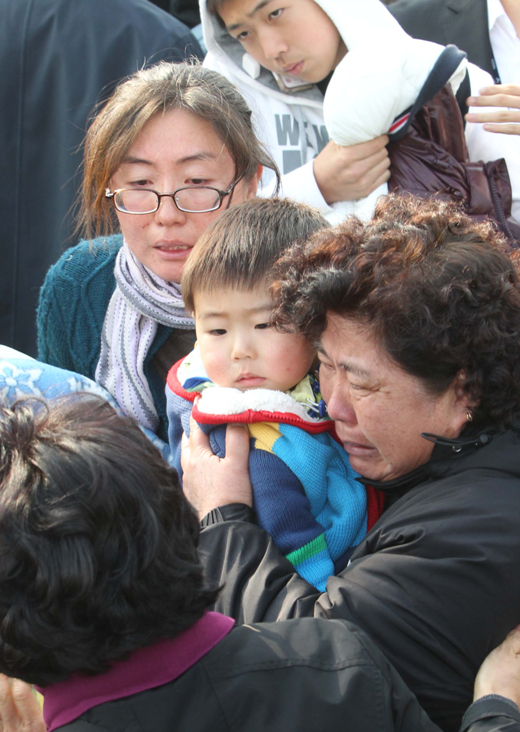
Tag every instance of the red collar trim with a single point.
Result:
(175, 385)
(250, 416)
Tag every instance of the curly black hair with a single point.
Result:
(98, 546)
(437, 289)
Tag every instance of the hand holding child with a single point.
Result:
(210, 481)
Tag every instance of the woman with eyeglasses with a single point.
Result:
(171, 150)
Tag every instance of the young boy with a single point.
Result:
(282, 57)
(244, 370)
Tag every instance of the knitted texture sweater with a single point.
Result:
(305, 493)
(73, 303)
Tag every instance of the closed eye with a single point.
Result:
(262, 326)
(361, 387)
(324, 365)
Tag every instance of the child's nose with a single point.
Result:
(242, 348)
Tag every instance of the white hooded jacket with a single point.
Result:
(378, 79)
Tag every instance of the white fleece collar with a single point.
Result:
(221, 401)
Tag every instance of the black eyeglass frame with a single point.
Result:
(221, 194)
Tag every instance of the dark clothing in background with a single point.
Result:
(461, 22)
(58, 59)
(187, 11)
(164, 4)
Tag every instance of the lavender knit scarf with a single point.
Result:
(140, 301)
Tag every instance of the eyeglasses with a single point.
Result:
(193, 199)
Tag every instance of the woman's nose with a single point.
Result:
(168, 213)
(339, 405)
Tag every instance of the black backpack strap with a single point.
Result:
(462, 94)
(444, 68)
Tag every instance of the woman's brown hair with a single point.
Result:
(166, 86)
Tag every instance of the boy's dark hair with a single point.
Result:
(239, 249)
(97, 543)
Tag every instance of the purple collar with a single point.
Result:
(145, 669)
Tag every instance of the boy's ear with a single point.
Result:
(252, 185)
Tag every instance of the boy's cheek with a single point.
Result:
(215, 363)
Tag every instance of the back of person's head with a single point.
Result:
(97, 543)
(239, 249)
(159, 89)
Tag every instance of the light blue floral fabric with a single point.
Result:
(22, 377)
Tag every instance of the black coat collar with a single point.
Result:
(443, 460)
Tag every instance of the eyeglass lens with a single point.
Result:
(187, 199)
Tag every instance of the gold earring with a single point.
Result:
(469, 416)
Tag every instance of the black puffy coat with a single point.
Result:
(298, 676)
(436, 582)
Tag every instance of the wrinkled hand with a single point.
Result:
(503, 120)
(19, 709)
(349, 173)
(500, 672)
(210, 481)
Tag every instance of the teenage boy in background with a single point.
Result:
(282, 56)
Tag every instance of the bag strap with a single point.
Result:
(463, 92)
(443, 70)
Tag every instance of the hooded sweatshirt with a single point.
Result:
(296, 127)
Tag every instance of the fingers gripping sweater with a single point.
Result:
(305, 493)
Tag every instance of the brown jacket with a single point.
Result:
(432, 159)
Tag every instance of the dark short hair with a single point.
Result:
(240, 248)
(97, 543)
(438, 290)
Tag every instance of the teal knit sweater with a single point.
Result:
(73, 302)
